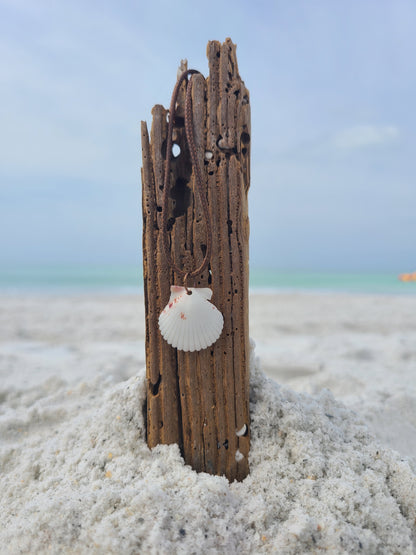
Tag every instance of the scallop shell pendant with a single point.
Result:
(189, 322)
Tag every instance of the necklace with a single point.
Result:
(189, 322)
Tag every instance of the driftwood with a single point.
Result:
(200, 400)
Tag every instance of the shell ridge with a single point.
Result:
(205, 335)
(194, 337)
(212, 332)
(167, 324)
(170, 322)
(201, 330)
(181, 334)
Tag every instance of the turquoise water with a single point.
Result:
(376, 283)
(128, 279)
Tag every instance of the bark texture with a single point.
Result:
(201, 400)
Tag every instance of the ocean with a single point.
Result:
(129, 279)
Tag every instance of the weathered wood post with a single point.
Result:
(200, 400)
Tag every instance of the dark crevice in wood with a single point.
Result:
(154, 387)
(179, 408)
(181, 196)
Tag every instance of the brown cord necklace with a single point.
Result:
(189, 322)
(189, 130)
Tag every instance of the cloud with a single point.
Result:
(363, 136)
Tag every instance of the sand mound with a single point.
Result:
(77, 476)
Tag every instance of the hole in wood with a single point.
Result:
(163, 149)
(230, 226)
(154, 387)
(179, 121)
(176, 150)
(245, 138)
(244, 151)
(181, 195)
(169, 224)
(211, 173)
(245, 100)
(144, 415)
(203, 249)
(159, 208)
(226, 443)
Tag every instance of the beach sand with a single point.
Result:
(333, 455)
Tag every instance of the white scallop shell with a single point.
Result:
(189, 322)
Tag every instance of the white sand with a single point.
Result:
(362, 348)
(77, 477)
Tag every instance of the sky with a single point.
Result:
(332, 87)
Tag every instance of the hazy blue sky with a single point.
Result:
(333, 93)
